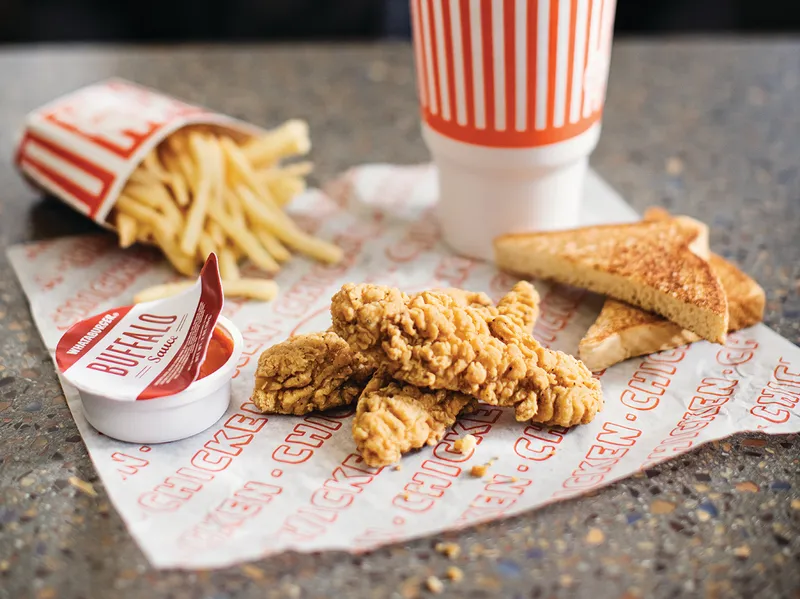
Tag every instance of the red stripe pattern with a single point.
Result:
(83, 146)
(512, 73)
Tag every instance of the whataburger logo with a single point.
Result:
(92, 333)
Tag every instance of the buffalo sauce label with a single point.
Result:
(84, 146)
(148, 350)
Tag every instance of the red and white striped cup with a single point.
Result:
(511, 93)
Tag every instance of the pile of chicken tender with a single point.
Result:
(414, 363)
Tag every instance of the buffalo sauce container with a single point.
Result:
(158, 371)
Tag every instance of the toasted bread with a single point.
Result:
(746, 298)
(622, 331)
(652, 265)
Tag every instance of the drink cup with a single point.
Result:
(511, 95)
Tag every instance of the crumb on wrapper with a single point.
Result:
(479, 470)
(465, 444)
(451, 550)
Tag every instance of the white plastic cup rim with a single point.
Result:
(171, 417)
(485, 192)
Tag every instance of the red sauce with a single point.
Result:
(220, 349)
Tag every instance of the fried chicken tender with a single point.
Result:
(311, 372)
(430, 340)
(474, 299)
(521, 306)
(392, 418)
(319, 371)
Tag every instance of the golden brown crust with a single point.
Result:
(463, 297)
(656, 213)
(430, 340)
(653, 264)
(654, 253)
(309, 372)
(746, 298)
(521, 305)
(616, 316)
(745, 303)
(622, 331)
(393, 418)
(700, 243)
(319, 371)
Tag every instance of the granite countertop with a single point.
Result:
(710, 129)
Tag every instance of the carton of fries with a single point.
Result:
(162, 172)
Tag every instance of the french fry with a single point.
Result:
(188, 170)
(206, 191)
(152, 164)
(258, 289)
(180, 190)
(201, 200)
(156, 196)
(161, 291)
(284, 190)
(148, 194)
(143, 177)
(127, 229)
(216, 234)
(284, 229)
(144, 234)
(234, 208)
(206, 246)
(177, 183)
(216, 166)
(177, 143)
(184, 264)
(272, 245)
(227, 264)
(290, 139)
(144, 214)
(245, 240)
(195, 217)
(241, 167)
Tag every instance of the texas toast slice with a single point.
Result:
(653, 265)
(622, 331)
(746, 298)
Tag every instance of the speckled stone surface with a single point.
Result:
(710, 129)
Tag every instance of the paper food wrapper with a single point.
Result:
(254, 484)
(83, 147)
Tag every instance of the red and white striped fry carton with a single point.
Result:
(511, 94)
(84, 146)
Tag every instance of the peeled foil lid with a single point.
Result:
(146, 350)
